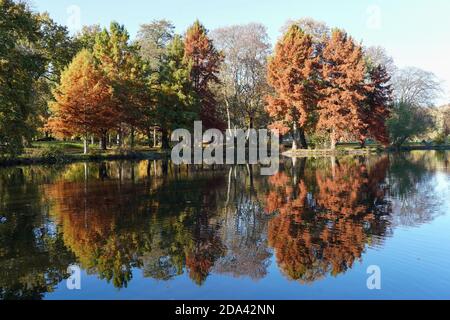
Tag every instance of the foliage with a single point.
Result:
(377, 106)
(205, 61)
(52, 154)
(406, 122)
(320, 83)
(343, 88)
(292, 73)
(83, 99)
(153, 39)
(20, 67)
(176, 96)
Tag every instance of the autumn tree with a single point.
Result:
(83, 100)
(343, 88)
(292, 74)
(324, 223)
(205, 62)
(57, 49)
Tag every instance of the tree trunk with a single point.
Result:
(363, 144)
(155, 143)
(85, 145)
(103, 141)
(165, 139)
(303, 141)
(119, 138)
(294, 137)
(149, 137)
(333, 139)
(132, 136)
(228, 115)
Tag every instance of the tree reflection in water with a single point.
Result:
(327, 218)
(317, 217)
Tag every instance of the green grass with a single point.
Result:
(76, 148)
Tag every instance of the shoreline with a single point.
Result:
(73, 158)
(153, 155)
(365, 151)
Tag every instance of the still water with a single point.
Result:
(150, 230)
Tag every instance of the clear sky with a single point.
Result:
(414, 32)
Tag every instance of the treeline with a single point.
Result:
(319, 86)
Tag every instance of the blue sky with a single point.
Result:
(414, 32)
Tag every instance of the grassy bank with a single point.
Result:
(355, 149)
(67, 152)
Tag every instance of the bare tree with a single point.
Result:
(153, 39)
(377, 56)
(416, 87)
(318, 30)
(243, 75)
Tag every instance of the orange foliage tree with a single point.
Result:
(292, 72)
(205, 63)
(324, 222)
(343, 89)
(82, 100)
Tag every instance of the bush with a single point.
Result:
(440, 139)
(52, 154)
(319, 141)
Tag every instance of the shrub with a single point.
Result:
(440, 139)
(52, 154)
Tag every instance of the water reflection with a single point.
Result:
(327, 217)
(314, 219)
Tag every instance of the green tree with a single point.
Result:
(20, 67)
(120, 62)
(57, 49)
(407, 121)
(153, 39)
(87, 36)
(176, 106)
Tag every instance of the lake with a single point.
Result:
(151, 230)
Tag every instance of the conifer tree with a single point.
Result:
(343, 89)
(175, 94)
(377, 106)
(120, 62)
(205, 63)
(292, 72)
(82, 100)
